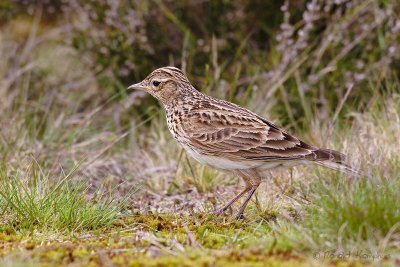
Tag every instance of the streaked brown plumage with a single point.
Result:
(226, 136)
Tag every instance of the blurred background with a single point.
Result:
(65, 67)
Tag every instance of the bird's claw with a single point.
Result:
(222, 211)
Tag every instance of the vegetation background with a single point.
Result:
(90, 176)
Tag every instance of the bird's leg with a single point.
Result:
(233, 200)
(246, 201)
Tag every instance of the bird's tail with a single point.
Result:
(333, 160)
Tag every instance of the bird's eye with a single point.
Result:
(156, 83)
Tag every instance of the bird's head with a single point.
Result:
(166, 84)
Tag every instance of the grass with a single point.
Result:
(359, 214)
(71, 150)
(30, 200)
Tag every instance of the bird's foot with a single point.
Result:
(222, 210)
(240, 216)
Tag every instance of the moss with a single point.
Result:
(80, 253)
(214, 242)
(31, 244)
(55, 255)
(6, 237)
(119, 260)
(227, 260)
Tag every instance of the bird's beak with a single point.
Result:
(138, 86)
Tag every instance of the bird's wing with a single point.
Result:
(241, 135)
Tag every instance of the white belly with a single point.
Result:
(227, 164)
(221, 163)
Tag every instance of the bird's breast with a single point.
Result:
(174, 122)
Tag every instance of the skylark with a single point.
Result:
(228, 137)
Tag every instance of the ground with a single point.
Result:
(162, 240)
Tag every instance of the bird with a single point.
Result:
(229, 137)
